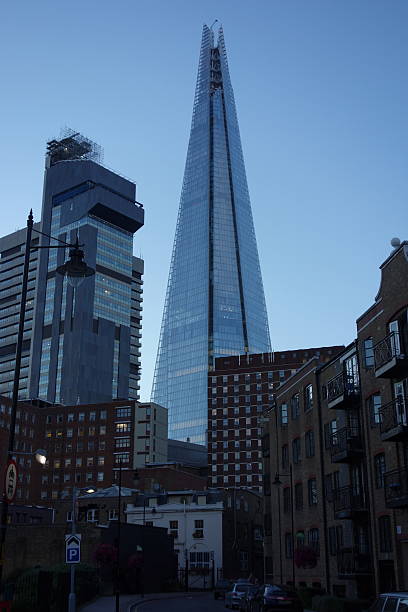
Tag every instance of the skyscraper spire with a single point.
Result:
(215, 303)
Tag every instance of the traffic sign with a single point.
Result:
(73, 548)
(10, 480)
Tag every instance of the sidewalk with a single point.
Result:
(107, 604)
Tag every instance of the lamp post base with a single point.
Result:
(72, 602)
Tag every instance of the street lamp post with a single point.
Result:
(76, 270)
(117, 590)
(277, 481)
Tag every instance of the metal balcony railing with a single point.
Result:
(352, 562)
(386, 350)
(342, 386)
(394, 417)
(396, 488)
(345, 443)
(349, 499)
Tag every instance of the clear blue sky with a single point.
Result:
(322, 97)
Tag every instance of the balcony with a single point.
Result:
(394, 420)
(342, 391)
(346, 445)
(349, 503)
(389, 360)
(352, 563)
(396, 488)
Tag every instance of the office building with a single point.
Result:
(85, 344)
(12, 253)
(215, 301)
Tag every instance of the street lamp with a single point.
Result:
(72, 595)
(117, 589)
(278, 482)
(75, 270)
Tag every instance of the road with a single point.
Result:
(201, 602)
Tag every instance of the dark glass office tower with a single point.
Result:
(86, 340)
(215, 302)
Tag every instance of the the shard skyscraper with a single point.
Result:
(215, 303)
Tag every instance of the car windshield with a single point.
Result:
(274, 590)
(242, 588)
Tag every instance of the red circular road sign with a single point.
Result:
(10, 480)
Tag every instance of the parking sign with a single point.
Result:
(73, 548)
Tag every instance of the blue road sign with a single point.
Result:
(73, 548)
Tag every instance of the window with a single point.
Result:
(335, 539)
(198, 529)
(296, 450)
(113, 514)
(81, 416)
(308, 397)
(200, 559)
(329, 430)
(243, 560)
(91, 431)
(123, 412)
(368, 353)
(92, 516)
(121, 458)
(286, 500)
(173, 528)
(102, 415)
(122, 427)
(295, 406)
(284, 415)
(285, 455)
(384, 530)
(299, 496)
(309, 444)
(313, 539)
(92, 416)
(288, 545)
(379, 470)
(312, 491)
(374, 406)
(102, 430)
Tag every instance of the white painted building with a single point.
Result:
(195, 518)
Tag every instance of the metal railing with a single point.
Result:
(349, 498)
(342, 384)
(386, 349)
(351, 562)
(396, 487)
(394, 414)
(347, 439)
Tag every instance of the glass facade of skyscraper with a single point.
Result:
(215, 301)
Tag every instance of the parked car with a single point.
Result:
(222, 587)
(273, 597)
(233, 598)
(391, 602)
(249, 597)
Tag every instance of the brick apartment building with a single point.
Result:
(240, 389)
(85, 444)
(340, 428)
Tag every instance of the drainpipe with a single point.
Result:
(324, 504)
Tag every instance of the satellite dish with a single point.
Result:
(395, 242)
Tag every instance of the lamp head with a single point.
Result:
(41, 456)
(75, 269)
